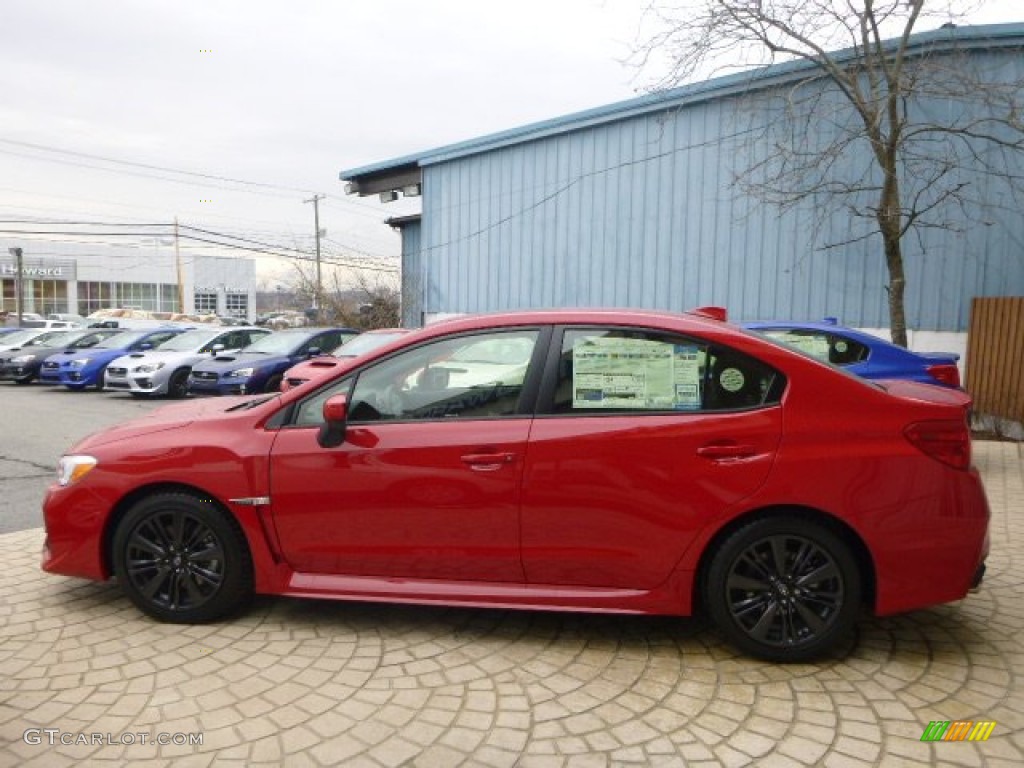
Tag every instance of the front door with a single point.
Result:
(427, 481)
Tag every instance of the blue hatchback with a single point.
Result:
(259, 367)
(82, 368)
(861, 353)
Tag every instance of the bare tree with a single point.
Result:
(360, 299)
(875, 122)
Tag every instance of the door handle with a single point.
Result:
(726, 451)
(488, 462)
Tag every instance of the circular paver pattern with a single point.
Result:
(308, 682)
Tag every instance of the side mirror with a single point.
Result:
(145, 346)
(332, 433)
(217, 349)
(313, 352)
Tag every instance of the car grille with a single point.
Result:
(119, 384)
(119, 373)
(204, 376)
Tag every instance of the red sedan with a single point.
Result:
(619, 461)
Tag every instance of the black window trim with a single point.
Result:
(546, 396)
(285, 418)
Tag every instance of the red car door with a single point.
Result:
(402, 500)
(613, 498)
(427, 481)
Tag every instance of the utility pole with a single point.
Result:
(18, 282)
(177, 264)
(315, 200)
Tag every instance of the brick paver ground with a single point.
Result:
(307, 682)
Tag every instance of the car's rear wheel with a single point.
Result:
(177, 387)
(784, 589)
(182, 559)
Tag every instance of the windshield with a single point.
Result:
(189, 341)
(61, 339)
(364, 343)
(121, 340)
(18, 338)
(278, 343)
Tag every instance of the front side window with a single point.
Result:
(625, 370)
(478, 376)
(467, 377)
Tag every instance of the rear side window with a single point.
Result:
(625, 370)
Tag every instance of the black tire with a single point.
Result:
(177, 387)
(273, 384)
(784, 589)
(182, 559)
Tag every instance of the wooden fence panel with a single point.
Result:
(995, 357)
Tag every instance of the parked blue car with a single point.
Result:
(260, 366)
(861, 353)
(82, 368)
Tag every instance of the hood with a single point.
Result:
(156, 355)
(173, 416)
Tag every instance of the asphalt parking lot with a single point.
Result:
(86, 679)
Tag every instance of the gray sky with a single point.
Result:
(284, 94)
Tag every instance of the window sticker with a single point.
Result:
(731, 379)
(635, 373)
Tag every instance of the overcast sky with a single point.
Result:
(285, 95)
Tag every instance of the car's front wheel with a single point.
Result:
(177, 386)
(784, 589)
(182, 559)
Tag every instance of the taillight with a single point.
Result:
(945, 441)
(945, 373)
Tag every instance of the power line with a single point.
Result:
(151, 167)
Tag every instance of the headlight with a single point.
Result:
(242, 372)
(23, 359)
(149, 367)
(80, 362)
(71, 469)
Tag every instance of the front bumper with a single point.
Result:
(71, 378)
(142, 384)
(14, 372)
(219, 386)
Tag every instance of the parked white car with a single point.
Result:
(165, 370)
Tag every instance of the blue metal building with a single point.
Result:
(633, 204)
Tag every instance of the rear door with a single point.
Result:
(648, 437)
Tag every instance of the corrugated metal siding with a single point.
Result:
(641, 212)
(413, 277)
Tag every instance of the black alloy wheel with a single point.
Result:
(181, 559)
(177, 386)
(784, 589)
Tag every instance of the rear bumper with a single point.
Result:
(940, 556)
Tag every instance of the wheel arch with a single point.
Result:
(860, 551)
(129, 500)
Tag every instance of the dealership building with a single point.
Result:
(635, 204)
(80, 279)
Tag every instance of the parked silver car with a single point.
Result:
(165, 370)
